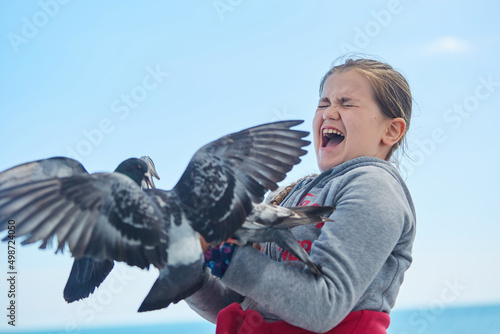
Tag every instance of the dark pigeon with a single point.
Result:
(107, 216)
(87, 273)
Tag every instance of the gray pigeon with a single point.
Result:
(269, 223)
(88, 273)
(108, 216)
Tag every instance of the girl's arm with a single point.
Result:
(372, 214)
(212, 297)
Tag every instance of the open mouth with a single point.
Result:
(331, 138)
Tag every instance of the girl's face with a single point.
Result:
(348, 122)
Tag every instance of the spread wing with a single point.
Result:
(39, 170)
(224, 177)
(103, 216)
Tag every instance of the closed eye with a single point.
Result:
(324, 103)
(346, 102)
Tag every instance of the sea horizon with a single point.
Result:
(475, 319)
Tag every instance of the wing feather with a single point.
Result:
(225, 176)
(103, 215)
(64, 229)
(45, 169)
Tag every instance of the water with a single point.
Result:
(181, 328)
(435, 320)
(453, 320)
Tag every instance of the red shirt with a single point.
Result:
(233, 320)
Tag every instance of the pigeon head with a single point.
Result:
(134, 168)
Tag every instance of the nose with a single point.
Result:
(331, 113)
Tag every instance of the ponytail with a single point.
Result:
(278, 199)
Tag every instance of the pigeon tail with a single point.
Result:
(179, 283)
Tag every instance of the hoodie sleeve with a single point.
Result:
(212, 297)
(372, 213)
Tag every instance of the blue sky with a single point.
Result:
(104, 81)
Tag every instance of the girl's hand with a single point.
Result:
(204, 244)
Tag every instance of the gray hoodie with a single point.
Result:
(364, 253)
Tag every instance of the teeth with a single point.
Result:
(327, 131)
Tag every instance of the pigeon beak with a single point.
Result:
(148, 182)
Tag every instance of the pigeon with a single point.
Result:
(108, 216)
(87, 273)
(269, 223)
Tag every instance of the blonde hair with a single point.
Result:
(284, 193)
(391, 90)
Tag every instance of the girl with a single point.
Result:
(362, 118)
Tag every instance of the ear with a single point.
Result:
(395, 129)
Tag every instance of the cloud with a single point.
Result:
(447, 45)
